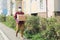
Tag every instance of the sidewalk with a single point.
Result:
(10, 33)
(1, 38)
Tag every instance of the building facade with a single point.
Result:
(57, 7)
(0, 6)
(9, 7)
(43, 8)
(13, 5)
(4, 7)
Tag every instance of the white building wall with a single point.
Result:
(0, 6)
(57, 5)
(14, 7)
(26, 6)
(36, 7)
(50, 8)
(33, 6)
(9, 7)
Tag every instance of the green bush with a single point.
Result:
(43, 23)
(2, 18)
(37, 28)
(48, 28)
(52, 26)
(32, 24)
(10, 21)
(51, 22)
(38, 36)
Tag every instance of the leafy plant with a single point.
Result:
(2, 18)
(32, 24)
(10, 22)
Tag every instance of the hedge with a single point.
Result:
(37, 28)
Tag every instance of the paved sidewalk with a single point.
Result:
(10, 33)
(1, 38)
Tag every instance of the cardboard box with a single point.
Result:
(21, 17)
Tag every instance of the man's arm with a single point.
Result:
(15, 16)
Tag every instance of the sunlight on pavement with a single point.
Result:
(3, 36)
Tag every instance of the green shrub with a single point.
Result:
(43, 23)
(51, 23)
(37, 28)
(38, 36)
(52, 26)
(10, 21)
(32, 24)
(2, 18)
(48, 28)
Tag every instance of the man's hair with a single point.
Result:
(19, 7)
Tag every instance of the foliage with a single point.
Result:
(32, 24)
(48, 29)
(37, 28)
(10, 22)
(2, 18)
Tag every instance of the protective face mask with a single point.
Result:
(19, 10)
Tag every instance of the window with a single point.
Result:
(41, 4)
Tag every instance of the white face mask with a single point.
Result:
(19, 10)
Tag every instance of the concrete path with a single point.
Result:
(8, 33)
(1, 37)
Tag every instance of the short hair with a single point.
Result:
(19, 7)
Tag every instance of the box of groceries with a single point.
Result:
(21, 17)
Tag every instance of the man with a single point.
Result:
(19, 24)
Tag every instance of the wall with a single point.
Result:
(0, 6)
(18, 4)
(57, 5)
(9, 7)
(42, 8)
(26, 6)
(50, 8)
(33, 6)
(42, 5)
(13, 7)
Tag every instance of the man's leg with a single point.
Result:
(22, 30)
(17, 29)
